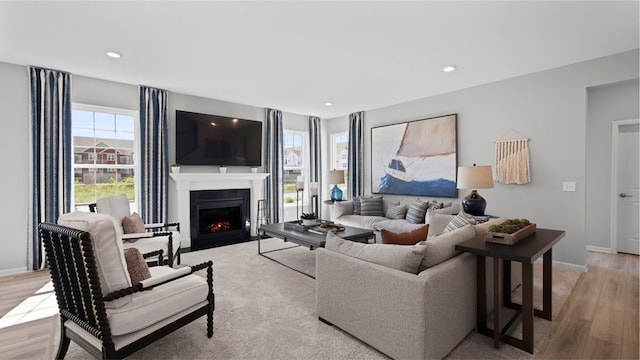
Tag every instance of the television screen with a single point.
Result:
(203, 139)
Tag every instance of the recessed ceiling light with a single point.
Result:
(113, 54)
(328, 103)
(449, 68)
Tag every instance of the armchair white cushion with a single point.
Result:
(118, 207)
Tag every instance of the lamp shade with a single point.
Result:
(475, 177)
(336, 177)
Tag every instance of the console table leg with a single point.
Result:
(497, 289)
(527, 306)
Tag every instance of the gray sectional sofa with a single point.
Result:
(391, 217)
(376, 293)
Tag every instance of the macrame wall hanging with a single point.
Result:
(512, 161)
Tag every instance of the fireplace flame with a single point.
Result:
(219, 226)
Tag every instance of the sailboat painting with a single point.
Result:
(415, 158)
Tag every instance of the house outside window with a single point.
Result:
(295, 163)
(340, 158)
(102, 139)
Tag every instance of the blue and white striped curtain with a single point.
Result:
(274, 164)
(154, 162)
(315, 172)
(355, 186)
(50, 116)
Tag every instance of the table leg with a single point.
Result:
(547, 286)
(481, 293)
(527, 306)
(497, 288)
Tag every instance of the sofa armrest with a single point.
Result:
(450, 295)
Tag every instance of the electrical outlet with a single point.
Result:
(569, 186)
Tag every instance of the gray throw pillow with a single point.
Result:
(396, 212)
(371, 206)
(416, 212)
(356, 205)
(459, 221)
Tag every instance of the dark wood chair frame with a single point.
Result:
(156, 233)
(72, 266)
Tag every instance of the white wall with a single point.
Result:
(605, 104)
(549, 108)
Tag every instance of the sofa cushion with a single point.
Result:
(360, 221)
(341, 208)
(405, 238)
(371, 206)
(441, 248)
(404, 258)
(133, 224)
(397, 226)
(136, 265)
(396, 212)
(437, 221)
(416, 211)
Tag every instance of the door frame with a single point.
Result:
(615, 134)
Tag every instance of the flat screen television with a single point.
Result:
(203, 139)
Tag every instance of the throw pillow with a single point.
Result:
(136, 265)
(396, 212)
(341, 208)
(133, 224)
(416, 212)
(371, 206)
(437, 221)
(406, 238)
(403, 258)
(460, 220)
(441, 248)
(356, 205)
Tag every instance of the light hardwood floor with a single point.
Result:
(600, 319)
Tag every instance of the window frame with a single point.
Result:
(304, 169)
(112, 167)
(333, 156)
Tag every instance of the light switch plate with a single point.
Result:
(569, 186)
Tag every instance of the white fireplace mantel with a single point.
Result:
(187, 182)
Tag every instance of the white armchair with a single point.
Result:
(105, 307)
(158, 236)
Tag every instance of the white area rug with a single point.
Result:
(264, 310)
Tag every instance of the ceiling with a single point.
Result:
(295, 56)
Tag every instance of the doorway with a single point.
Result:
(625, 186)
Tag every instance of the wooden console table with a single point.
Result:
(525, 251)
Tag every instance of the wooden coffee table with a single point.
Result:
(308, 239)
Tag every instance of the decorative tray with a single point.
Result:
(510, 239)
(297, 226)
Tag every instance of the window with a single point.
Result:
(104, 143)
(295, 163)
(340, 157)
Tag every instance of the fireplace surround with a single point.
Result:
(186, 182)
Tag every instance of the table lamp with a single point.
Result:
(474, 177)
(336, 177)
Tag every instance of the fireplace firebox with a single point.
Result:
(219, 217)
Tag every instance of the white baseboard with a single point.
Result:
(568, 266)
(13, 271)
(599, 249)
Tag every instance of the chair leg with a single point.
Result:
(63, 345)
